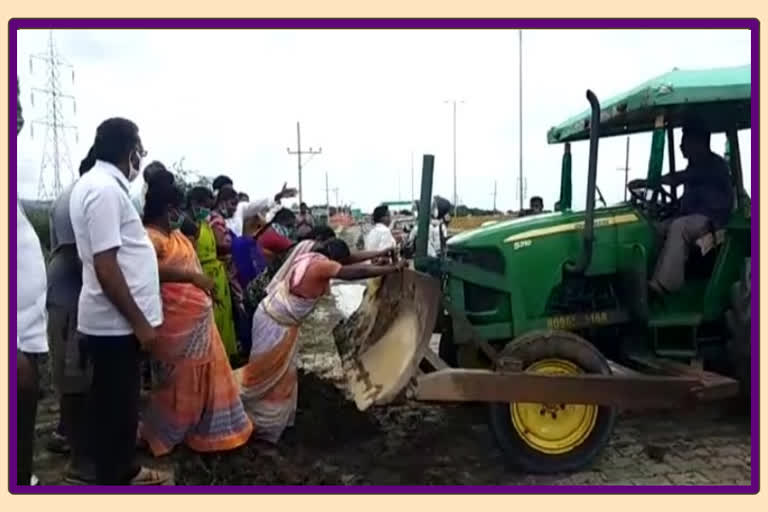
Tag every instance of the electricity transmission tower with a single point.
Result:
(56, 166)
(300, 152)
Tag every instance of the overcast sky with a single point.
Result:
(228, 102)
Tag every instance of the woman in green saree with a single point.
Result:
(199, 204)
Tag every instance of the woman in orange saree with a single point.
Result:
(195, 398)
(269, 384)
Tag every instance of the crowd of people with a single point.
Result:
(205, 286)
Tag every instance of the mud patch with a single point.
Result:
(326, 417)
(326, 421)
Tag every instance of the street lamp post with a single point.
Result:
(455, 189)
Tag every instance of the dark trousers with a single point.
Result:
(113, 406)
(27, 395)
(73, 424)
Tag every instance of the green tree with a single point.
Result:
(188, 178)
(40, 221)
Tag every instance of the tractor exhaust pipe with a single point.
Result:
(425, 206)
(589, 215)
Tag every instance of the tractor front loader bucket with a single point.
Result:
(383, 342)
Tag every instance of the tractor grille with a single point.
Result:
(478, 299)
(489, 259)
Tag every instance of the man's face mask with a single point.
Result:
(201, 213)
(134, 162)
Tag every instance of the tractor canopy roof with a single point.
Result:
(719, 98)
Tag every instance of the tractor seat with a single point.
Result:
(709, 241)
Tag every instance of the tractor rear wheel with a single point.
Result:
(739, 320)
(552, 438)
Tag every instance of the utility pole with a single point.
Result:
(327, 198)
(298, 152)
(413, 197)
(625, 169)
(455, 189)
(494, 196)
(55, 146)
(520, 47)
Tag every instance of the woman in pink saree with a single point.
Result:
(269, 385)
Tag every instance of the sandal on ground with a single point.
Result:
(148, 476)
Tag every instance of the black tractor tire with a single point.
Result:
(739, 321)
(537, 346)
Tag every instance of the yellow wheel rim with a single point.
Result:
(553, 428)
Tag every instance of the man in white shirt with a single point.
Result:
(31, 340)
(380, 237)
(305, 223)
(434, 246)
(119, 305)
(438, 227)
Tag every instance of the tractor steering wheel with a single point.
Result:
(655, 202)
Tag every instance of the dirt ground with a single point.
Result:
(414, 443)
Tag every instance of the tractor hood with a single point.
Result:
(539, 225)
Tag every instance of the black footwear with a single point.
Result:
(79, 476)
(58, 444)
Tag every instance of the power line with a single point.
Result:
(298, 152)
(55, 147)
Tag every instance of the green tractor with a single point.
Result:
(565, 294)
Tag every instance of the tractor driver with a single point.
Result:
(704, 207)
